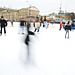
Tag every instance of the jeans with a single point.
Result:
(4, 30)
(67, 32)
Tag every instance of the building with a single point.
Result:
(29, 14)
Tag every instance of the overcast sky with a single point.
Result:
(45, 6)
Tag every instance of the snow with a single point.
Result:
(50, 52)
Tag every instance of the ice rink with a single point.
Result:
(50, 52)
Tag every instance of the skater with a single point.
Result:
(27, 39)
(22, 25)
(3, 24)
(45, 22)
(67, 28)
(37, 24)
(12, 22)
(61, 25)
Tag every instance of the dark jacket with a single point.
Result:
(67, 27)
(22, 23)
(27, 39)
(3, 23)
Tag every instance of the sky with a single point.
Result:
(44, 6)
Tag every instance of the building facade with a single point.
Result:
(28, 14)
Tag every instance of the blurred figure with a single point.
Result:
(37, 24)
(12, 22)
(3, 24)
(67, 28)
(41, 21)
(61, 25)
(27, 39)
(22, 26)
(45, 22)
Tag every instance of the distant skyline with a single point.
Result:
(45, 6)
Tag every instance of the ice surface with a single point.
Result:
(50, 52)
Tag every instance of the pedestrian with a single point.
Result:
(37, 24)
(27, 39)
(67, 28)
(61, 25)
(22, 25)
(3, 24)
(12, 22)
(45, 22)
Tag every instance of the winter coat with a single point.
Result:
(67, 27)
(3, 23)
(61, 25)
(45, 24)
(37, 24)
(27, 39)
(22, 23)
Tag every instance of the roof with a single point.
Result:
(33, 8)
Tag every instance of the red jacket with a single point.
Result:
(61, 24)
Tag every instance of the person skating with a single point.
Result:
(45, 23)
(67, 28)
(37, 24)
(12, 22)
(22, 25)
(3, 24)
(61, 25)
(27, 39)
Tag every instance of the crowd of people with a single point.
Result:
(37, 24)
